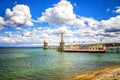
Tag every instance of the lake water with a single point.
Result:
(39, 64)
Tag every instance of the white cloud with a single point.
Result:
(36, 35)
(18, 16)
(68, 32)
(89, 29)
(78, 23)
(18, 28)
(6, 40)
(1, 27)
(111, 25)
(89, 22)
(77, 28)
(118, 9)
(2, 22)
(80, 35)
(60, 14)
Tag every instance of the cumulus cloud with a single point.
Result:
(18, 28)
(80, 35)
(18, 16)
(6, 40)
(94, 30)
(60, 14)
(1, 23)
(36, 35)
(77, 28)
(89, 22)
(111, 25)
(1, 27)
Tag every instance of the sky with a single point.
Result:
(25, 23)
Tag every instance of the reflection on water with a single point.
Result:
(33, 64)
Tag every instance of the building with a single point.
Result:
(62, 43)
(45, 45)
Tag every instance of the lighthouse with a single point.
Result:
(45, 45)
(62, 43)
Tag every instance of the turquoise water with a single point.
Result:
(39, 64)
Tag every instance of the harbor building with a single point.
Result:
(92, 48)
(113, 47)
(100, 48)
(113, 50)
(45, 45)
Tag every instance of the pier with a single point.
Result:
(114, 49)
(89, 48)
(92, 48)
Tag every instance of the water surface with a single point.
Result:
(39, 64)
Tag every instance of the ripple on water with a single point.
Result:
(33, 64)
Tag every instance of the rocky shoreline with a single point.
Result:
(109, 73)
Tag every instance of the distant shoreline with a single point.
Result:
(19, 47)
(108, 73)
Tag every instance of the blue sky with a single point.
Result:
(88, 8)
(30, 22)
